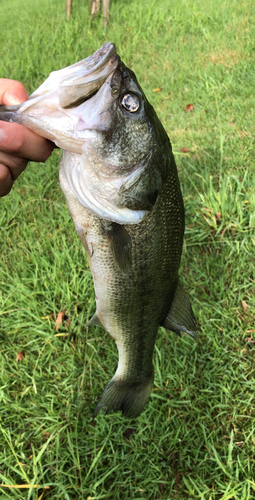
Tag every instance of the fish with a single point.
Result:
(120, 181)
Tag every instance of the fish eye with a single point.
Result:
(130, 102)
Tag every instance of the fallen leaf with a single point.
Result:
(60, 319)
(189, 107)
(249, 340)
(20, 356)
(157, 89)
(244, 305)
(184, 150)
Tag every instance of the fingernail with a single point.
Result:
(12, 99)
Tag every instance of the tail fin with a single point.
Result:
(123, 395)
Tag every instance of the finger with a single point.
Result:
(17, 140)
(13, 163)
(6, 181)
(12, 92)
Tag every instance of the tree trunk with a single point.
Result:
(68, 9)
(106, 11)
(94, 7)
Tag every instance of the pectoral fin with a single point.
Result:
(180, 317)
(95, 321)
(120, 245)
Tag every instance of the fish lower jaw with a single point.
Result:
(125, 395)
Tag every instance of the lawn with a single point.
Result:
(196, 436)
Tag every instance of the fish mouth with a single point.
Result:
(54, 109)
(87, 76)
(72, 108)
(69, 87)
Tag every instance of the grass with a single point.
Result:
(196, 437)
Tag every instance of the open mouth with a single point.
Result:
(80, 100)
(82, 80)
(68, 87)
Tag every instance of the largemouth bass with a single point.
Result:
(120, 181)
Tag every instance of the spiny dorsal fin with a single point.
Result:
(180, 317)
(120, 245)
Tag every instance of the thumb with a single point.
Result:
(12, 92)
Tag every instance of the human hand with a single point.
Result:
(18, 144)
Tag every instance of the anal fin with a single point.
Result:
(180, 317)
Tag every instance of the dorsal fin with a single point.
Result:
(180, 317)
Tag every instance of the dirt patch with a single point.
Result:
(226, 57)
